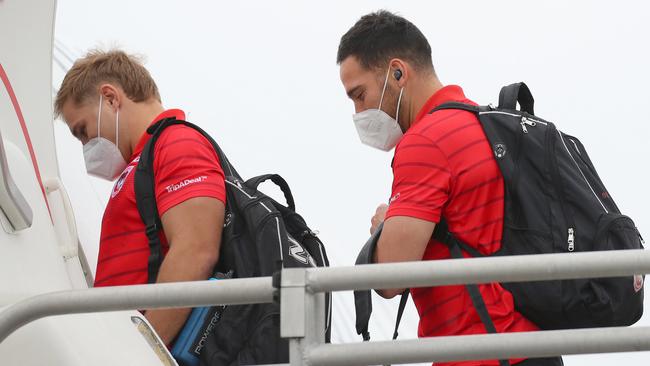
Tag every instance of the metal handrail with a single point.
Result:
(483, 347)
(164, 295)
(302, 306)
(519, 268)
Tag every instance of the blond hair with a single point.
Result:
(99, 66)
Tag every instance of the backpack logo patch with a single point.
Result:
(638, 283)
(500, 150)
(297, 252)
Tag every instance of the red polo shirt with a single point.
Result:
(444, 167)
(185, 166)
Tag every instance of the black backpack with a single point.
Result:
(260, 237)
(555, 202)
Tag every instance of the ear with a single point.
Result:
(111, 94)
(399, 71)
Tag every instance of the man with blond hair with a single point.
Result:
(108, 100)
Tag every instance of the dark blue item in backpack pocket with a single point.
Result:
(190, 340)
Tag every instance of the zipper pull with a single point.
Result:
(523, 125)
(571, 240)
(525, 121)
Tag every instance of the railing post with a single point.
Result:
(302, 315)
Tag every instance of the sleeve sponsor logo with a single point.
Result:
(184, 183)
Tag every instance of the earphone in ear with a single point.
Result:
(397, 74)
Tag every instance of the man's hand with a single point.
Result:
(378, 218)
(193, 229)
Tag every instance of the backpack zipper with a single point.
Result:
(238, 186)
(576, 145)
(581, 173)
(571, 239)
(571, 232)
(513, 115)
(640, 237)
(499, 112)
(524, 122)
(557, 183)
(530, 122)
(536, 121)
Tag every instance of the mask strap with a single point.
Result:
(381, 100)
(117, 128)
(99, 114)
(399, 100)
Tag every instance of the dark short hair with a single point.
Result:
(377, 37)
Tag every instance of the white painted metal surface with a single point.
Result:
(44, 255)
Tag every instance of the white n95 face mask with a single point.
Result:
(103, 158)
(376, 128)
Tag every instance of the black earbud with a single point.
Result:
(397, 74)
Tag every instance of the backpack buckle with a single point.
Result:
(151, 230)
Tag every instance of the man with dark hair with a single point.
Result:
(443, 167)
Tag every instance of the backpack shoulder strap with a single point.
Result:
(477, 298)
(456, 105)
(145, 199)
(442, 234)
(400, 311)
(456, 246)
(145, 194)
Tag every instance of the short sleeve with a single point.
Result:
(421, 179)
(186, 166)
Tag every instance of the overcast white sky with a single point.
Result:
(261, 77)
